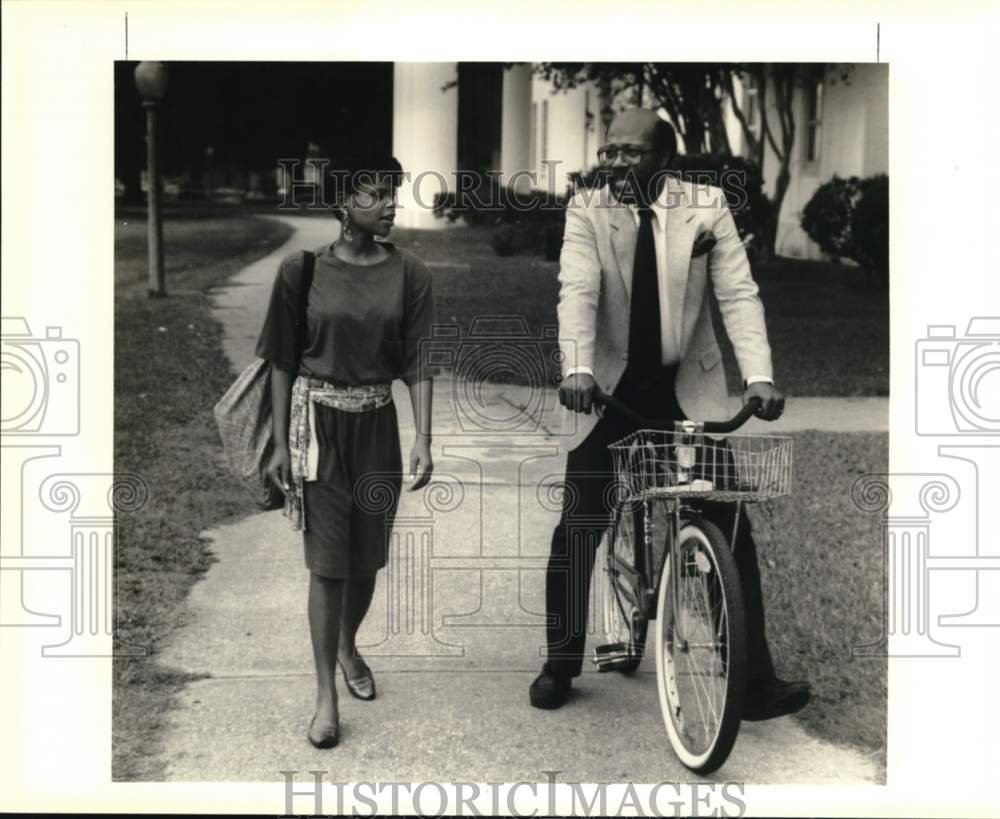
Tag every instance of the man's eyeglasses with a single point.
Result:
(630, 154)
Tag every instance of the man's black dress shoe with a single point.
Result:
(548, 690)
(767, 699)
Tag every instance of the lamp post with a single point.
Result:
(209, 172)
(151, 80)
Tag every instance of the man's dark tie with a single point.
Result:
(644, 345)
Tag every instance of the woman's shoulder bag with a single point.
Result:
(243, 414)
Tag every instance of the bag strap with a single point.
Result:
(308, 267)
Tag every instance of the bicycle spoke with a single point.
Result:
(710, 695)
(709, 612)
(697, 649)
(699, 684)
(680, 635)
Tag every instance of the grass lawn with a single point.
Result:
(829, 336)
(822, 567)
(169, 371)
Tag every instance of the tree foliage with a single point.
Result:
(694, 97)
(689, 92)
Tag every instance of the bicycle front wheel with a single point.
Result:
(701, 647)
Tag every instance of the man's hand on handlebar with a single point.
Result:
(577, 392)
(772, 400)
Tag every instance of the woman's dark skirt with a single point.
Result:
(350, 508)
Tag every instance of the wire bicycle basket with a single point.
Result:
(679, 463)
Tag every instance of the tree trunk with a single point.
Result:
(692, 139)
(780, 189)
(719, 137)
(754, 145)
(784, 78)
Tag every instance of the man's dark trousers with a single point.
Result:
(588, 504)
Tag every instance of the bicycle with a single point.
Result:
(667, 563)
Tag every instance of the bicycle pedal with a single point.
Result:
(610, 656)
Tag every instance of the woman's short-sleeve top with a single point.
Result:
(365, 323)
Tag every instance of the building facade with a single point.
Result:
(841, 128)
(535, 136)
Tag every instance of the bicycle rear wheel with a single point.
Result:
(701, 662)
(625, 620)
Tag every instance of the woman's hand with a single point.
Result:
(421, 465)
(279, 468)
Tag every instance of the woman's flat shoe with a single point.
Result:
(363, 687)
(325, 740)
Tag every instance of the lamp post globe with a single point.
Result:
(151, 80)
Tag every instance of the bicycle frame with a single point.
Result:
(645, 575)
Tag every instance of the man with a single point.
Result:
(634, 320)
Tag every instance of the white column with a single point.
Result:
(424, 137)
(515, 133)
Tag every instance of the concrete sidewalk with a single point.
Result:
(455, 634)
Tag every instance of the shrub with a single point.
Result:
(553, 240)
(482, 205)
(826, 218)
(530, 234)
(849, 219)
(504, 241)
(870, 226)
(527, 221)
(489, 202)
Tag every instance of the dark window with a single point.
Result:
(814, 120)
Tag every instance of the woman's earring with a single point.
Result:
(346, 230)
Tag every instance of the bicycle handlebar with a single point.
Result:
(734, 423)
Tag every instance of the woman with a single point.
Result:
(337, 450)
